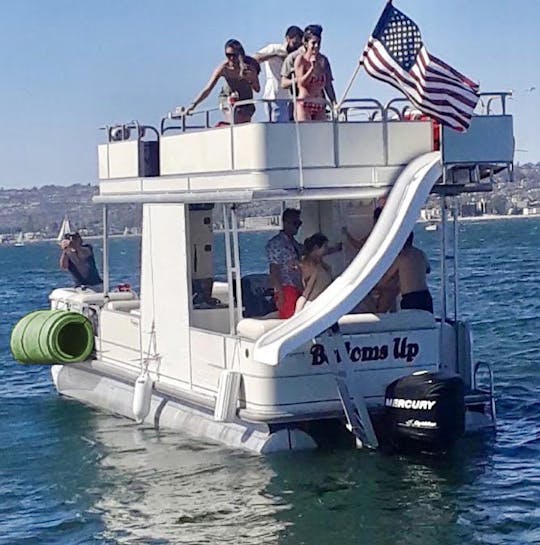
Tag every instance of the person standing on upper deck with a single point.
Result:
(313, 77)
(284, 252)
(272, 57)
(241, 74)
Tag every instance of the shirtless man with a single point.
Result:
(412, 266)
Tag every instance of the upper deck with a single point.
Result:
(354, 156)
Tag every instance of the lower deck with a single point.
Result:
(381, 349)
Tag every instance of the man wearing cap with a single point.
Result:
(78, 259)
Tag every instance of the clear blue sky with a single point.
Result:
(70, 66)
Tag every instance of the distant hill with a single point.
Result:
(43, 208)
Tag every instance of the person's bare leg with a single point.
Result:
(302, 114)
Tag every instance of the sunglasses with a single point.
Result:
(296, 223)
(231, 55)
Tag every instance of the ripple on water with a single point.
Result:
(73, 475)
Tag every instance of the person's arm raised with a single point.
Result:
(302, 75)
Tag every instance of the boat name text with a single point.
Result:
(400, 348)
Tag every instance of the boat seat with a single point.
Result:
(88, 296)
(390, 321)
(253, 328)
(123, 306)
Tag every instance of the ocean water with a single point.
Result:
(70, 474)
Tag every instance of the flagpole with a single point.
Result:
(349, 85)
(353, 77)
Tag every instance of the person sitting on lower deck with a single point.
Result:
(412, 266)
(316, 274)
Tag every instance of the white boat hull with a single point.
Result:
(81, 382)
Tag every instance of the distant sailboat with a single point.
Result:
(19, 241)
(126, 231)
(64, 229)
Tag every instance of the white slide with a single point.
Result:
(400, 212)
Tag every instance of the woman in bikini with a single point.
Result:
(313, 76)
(316, 274)
(241, 75)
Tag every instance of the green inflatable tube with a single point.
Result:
(51, 337)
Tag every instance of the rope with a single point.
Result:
(297, 130)
(152, 341)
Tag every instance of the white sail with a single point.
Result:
(64, 229)
(19, 241)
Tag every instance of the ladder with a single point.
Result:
(353, 402)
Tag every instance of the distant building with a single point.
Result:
(261, 222)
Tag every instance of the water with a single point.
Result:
(70, 474)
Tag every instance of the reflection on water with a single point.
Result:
(71, 475)
(164, 488)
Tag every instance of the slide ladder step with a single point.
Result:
(353, 402)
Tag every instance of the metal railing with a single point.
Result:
(491, 387)
(121, 132)
(490, 98)
(372, 110)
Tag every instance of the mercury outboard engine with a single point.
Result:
(425, 411)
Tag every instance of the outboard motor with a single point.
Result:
(425, 411)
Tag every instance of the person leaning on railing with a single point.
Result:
(241, 75)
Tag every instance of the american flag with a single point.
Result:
(395, 53)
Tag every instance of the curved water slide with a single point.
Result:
(400, 212)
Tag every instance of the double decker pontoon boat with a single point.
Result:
(221, 370)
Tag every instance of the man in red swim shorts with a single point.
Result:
(283, 252)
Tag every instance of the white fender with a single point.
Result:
(142, 396)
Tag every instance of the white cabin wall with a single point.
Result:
(165, 289)
(329, 217)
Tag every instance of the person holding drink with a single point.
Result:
(313, 78)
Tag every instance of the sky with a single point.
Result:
(71, 66)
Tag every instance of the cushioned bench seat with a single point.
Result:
(253, 328)
(123, 306)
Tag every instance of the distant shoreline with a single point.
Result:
(465, 219)
(485, 217)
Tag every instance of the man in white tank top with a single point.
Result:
(271, 57)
